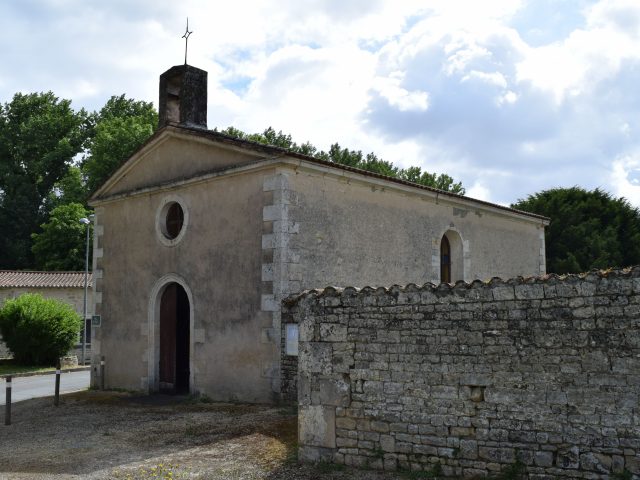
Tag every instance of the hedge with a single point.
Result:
(38, 331)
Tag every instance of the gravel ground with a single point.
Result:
(110, 435)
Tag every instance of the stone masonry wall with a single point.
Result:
(541, 372)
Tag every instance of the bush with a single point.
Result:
(37, 330)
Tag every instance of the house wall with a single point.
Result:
(218, 261)
(72, 296)
(474, 377)
(352, 233)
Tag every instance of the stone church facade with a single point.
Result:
(199, 236)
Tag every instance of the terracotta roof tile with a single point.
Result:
(24, 279)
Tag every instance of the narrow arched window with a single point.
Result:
(445, 260)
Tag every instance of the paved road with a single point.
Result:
(44, 385)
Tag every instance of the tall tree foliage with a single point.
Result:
(121, 126)
(71, 188)
(39, 136)
(61, 245)
(589, 229)
(351, 158)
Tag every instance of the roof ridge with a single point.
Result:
(282, 150)
(273, 149)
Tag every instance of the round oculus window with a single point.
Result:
(173, 221)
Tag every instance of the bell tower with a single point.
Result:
(183, 97)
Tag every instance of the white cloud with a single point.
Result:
(589, 55)
(315, 94)
(625, 178)
(390, 89)
(621, 15)
(508, 97)
(451, 85)
(479, 191)
(495, 78)
(462, 55)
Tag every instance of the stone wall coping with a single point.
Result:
(461, 285)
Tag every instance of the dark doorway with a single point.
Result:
(445, 260)
(174, 340)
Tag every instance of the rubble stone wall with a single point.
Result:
(541, 374)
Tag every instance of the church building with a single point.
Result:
(199, 236)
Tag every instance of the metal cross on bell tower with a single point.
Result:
(186, 40)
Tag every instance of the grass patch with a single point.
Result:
(326, 467)
(99, 397)
(10, 367)
(624, 475)
(512, 472)
(418, 475)
(434, 473)
(117, 390)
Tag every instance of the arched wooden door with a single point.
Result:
(174, 340)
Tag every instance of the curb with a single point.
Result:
(50, 372)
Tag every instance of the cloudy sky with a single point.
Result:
(510, 97)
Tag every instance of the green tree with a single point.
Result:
(442, 181)
(115, 132)
(62, 242)
(122, 107)
(351, 158)
(71, 188)
(38, 331)
(588, 229)
(39, 136)
(121, 126)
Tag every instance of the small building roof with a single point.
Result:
(26, 279)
